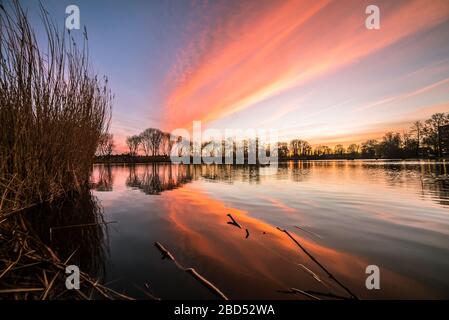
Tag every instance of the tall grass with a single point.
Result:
(53, 111)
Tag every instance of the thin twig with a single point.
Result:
(308, 231)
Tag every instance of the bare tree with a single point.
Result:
(282, 149)
(151, 140)
(391, 145)
(295, 146)
(431, 129)
(322, 150)
(339, 149)
(133, 143)
(353, 149)
(106, 144)
(370, 148)
(305, 147)
(417, 128)
(166, 144)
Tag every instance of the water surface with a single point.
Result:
(346, 214)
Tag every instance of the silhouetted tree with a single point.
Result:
(432, 137)
(339, 150)
(408, 145)
(133, 143)
(391, 145)
(166, 144)
(417, 129)
(294, 147)
(106, 144)
(282, 149)
(353, 150)
(151, 139)
(370, 148)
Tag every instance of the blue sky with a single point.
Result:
(309, 69)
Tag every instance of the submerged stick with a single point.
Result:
(165, 252)
(233, 222)
(313, 274)
(79, 226)
(295, 290)
(318, 263)
(191, 271)
(206, 282)
(308, 231)
(327, 295)
(21, 290)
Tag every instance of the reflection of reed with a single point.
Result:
(73, 224)
(36, 268)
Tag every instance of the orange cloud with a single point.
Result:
(275, 49)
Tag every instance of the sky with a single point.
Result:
(308, 69)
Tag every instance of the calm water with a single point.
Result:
(350, 214)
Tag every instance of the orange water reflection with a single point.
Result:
(357, 213)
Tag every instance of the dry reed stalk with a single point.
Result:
(53, 111)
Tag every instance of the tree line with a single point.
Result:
(421, 140)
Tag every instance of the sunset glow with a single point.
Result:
(190, 152)
(256, 67)
(310, 69)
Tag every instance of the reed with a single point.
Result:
(53, 111)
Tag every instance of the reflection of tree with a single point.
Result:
(299, 170)
(229, 173)
(432, 177)
(436, 182)
(159, 177)
(156, 178)
(150, 182)
(105, 179)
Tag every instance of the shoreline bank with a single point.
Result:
(125, 159)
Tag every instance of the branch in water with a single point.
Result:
(233, 222)
(318, 263)
(191, 271)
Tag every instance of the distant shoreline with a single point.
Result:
(124, 159)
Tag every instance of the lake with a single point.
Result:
(345, 214)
